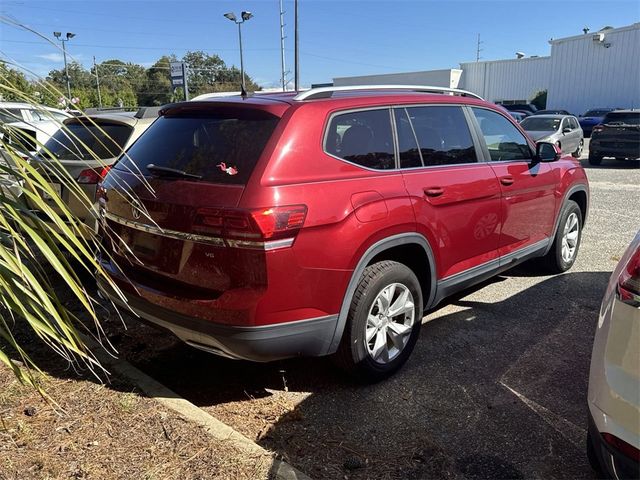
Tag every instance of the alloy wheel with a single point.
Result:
(570, 237)
(389, 323)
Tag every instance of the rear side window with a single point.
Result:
(624, 118)
(221, 145)
(442, 135)
(363, 138)
(8, 115)
(85, 141)
(503, 139)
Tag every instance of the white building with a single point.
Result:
(586, 71)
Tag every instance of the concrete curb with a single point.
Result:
(214, 427)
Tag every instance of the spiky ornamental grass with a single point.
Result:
(42, 254)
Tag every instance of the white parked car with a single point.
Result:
(26, 112)
(613, 444)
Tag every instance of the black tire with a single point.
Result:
(592, 456)
(578, 150)
(353, 355)
(594, 159)
(553, 261)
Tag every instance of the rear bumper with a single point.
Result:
(612, 462)
(310, 337)
(624, 151)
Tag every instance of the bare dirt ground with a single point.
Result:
(105, 431)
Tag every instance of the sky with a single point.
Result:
(337, 38)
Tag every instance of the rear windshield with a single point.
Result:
(221, 145)
(626, 118)
(540, 124)
(85, 141)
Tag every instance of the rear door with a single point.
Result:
(528, 188)
(456, 199)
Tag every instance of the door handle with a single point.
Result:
(433, 191)
(506, 180)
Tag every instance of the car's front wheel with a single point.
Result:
(383, 322)
(566, 243)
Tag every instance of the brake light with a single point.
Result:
(622, 446)
(629, 281)
(256, 225)
(597, 129)
(91, 175)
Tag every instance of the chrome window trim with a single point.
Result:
(197, 238)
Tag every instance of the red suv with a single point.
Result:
(327, 222)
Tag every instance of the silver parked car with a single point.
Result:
(87, 147)
(563, 130)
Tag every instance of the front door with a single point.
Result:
(528, 187)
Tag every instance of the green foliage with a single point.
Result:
(540, 100)
(129, 85)
(42, 255)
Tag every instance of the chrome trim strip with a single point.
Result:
(194, 237)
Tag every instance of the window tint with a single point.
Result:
(538, 124)
(503, 139)
(574, 123)
(407, 143)
(363, 138)
(443, 135)
(221, 145)
(8, 115)
(80, 141)
(628, 118)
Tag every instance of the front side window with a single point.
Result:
(363, 138)
(503, 139)
(442, 134)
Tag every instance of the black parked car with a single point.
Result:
(525, 107)
(552, 112)
(617, 136)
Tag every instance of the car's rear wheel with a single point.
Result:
(566, 243)
(594, 159)
(578, 151)
(383, 322)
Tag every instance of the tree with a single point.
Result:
(540, 100)
(157, 88)
(209, 73)
(16, 83)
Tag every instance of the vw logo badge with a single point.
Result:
(136, 209)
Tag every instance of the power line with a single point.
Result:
(129, 47)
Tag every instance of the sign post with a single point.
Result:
(179, 77)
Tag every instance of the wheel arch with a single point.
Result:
(579, 194)
(398, 248)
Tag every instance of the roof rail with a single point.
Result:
(327, 92)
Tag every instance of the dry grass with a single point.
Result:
(107, 432)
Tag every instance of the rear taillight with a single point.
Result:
(91, 175)
(622, 446)
(248, 228)
(629, 281)
(597, 129)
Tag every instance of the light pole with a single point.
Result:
(70, 35)
(245, 16)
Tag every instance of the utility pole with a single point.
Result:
(186, 82)
(296, 48)
(282, 37)
(70, 35)
(478, 49)
(95, 68)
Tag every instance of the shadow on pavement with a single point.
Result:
(456, 410)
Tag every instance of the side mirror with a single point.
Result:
(566, 129)
(547, 152)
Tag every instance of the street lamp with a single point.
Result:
(245, 16)
(70, 35)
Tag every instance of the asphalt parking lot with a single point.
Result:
(496, 387)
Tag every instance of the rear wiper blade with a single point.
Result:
(174, 172)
